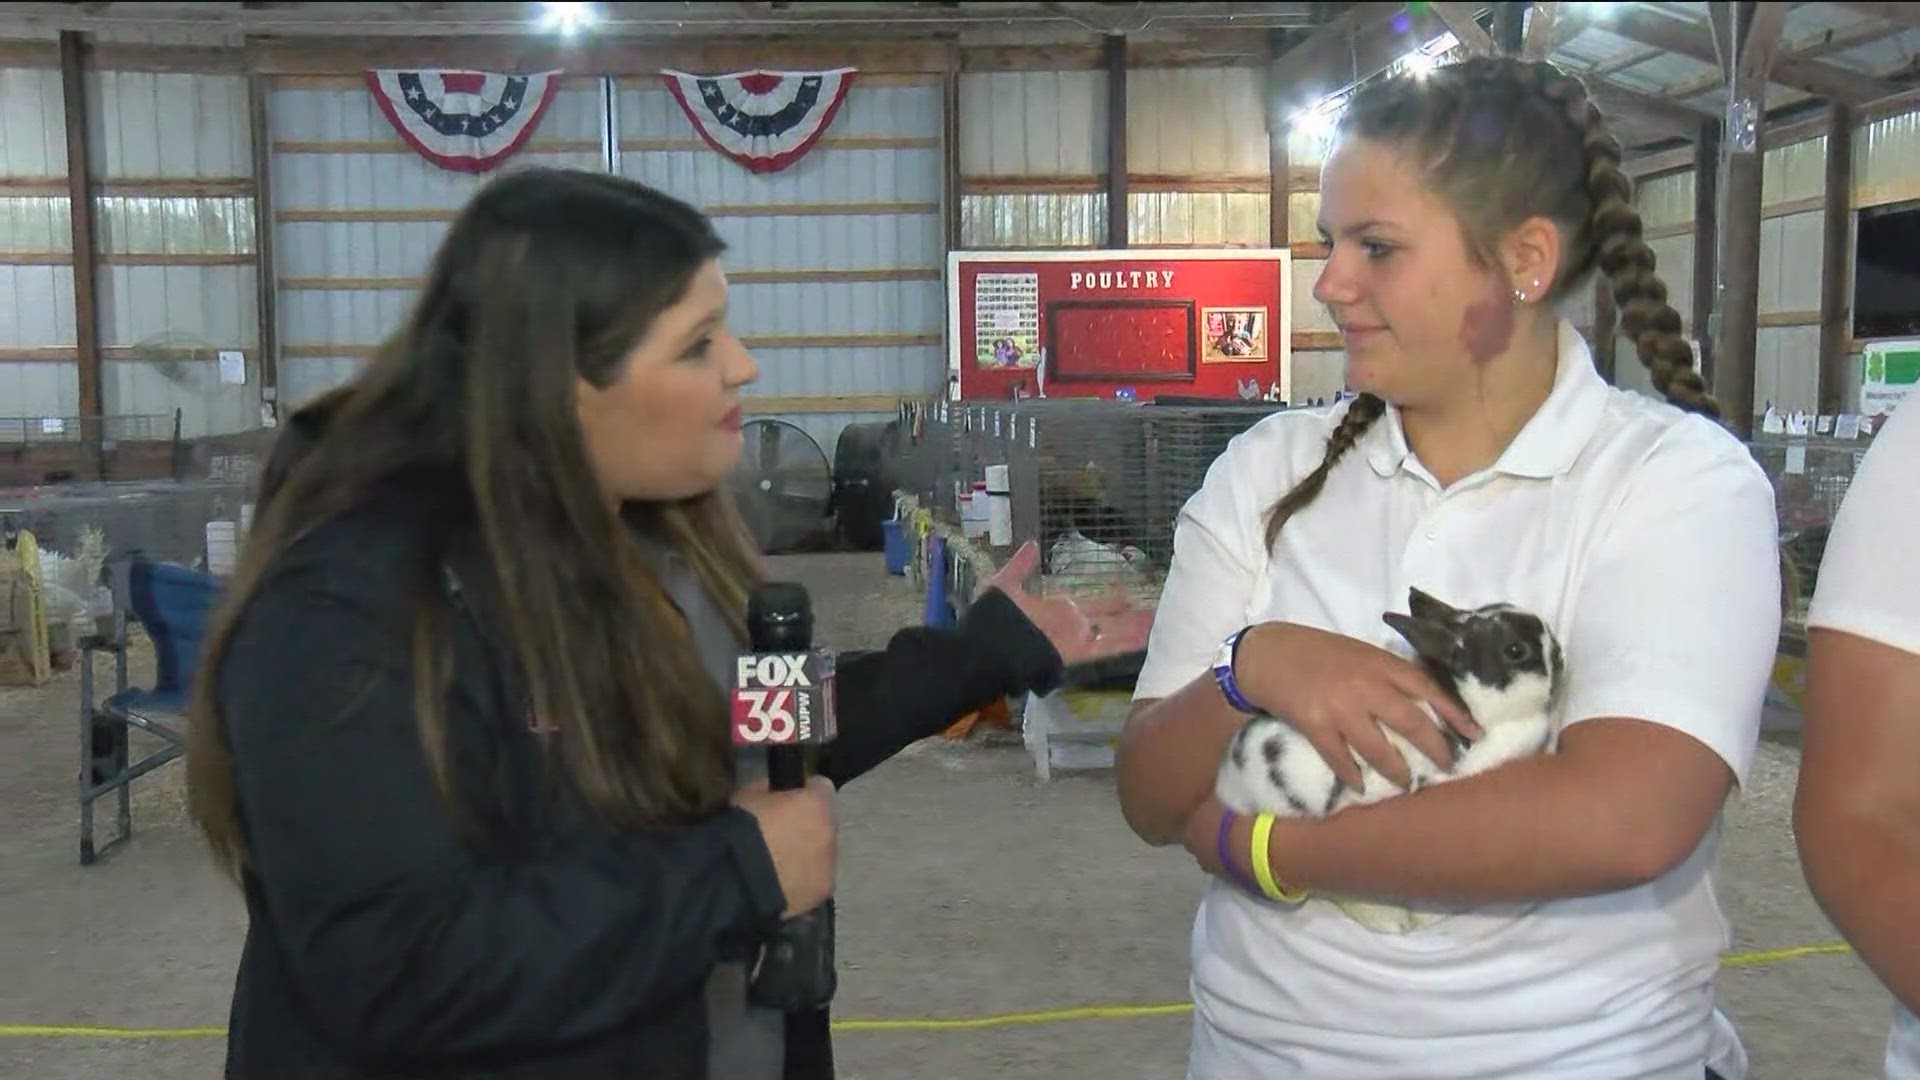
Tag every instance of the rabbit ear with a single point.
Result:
(1424, 606)
(1434, 639)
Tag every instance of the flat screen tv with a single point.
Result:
(1886, 271)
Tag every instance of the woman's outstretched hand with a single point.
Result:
(1111, 625)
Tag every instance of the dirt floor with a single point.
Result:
(969, 890)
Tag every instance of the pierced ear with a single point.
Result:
(1531, 253)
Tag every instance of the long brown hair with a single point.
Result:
(1497, 138)
(545, 277)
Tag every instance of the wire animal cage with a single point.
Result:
(1079, 486)
(1182, 444)
(1810, 477)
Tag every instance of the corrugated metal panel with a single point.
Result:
(1793, 172)
(334, 151)
(1665, 200)
(36, 302)
(1196, 122)
(1034, 220)
(1199, 219)
(1790, 256)
(1033, 123)
(146, 124)
(33, 130)
(1786, 367)
(1318, 374)
(1303, 216)
(1886, 161)
(1308, 314)
(40, 389)
(172, 320)
(883, 148)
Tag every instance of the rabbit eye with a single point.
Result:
(1518, 651)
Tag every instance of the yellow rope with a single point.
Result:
(965, 1023)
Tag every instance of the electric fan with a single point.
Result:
(783, 485)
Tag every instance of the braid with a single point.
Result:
(1361, 414)
(1617, 248)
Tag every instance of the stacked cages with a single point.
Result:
(1183, 442)
(1810, 476)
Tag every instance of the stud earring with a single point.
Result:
(1519, 297)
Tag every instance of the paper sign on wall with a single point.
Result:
(1889, 369)
(233, 367)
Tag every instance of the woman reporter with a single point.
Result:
(461, 733)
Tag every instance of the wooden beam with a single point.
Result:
(1905, 16)
(1706, 240)
(1805, 47)
(1760, 45)
(1650, 27)
(86, 307)
(1459, 18)
(1660, 163)
(1117, 208)
(1835, 261)
(1356, 44)
(267, 291)
(1661, 111)
(1540, 30)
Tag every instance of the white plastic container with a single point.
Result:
(999, 507)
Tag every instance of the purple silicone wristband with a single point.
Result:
(1226, 859)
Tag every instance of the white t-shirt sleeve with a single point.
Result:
(1869, 581)
(1217, 552)
(1677, 617)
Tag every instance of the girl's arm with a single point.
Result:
(1669, 653)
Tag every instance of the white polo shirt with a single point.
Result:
(1647, 538)
(1870, 586)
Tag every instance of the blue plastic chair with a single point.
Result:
(173, 604)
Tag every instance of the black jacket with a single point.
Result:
(383, 944)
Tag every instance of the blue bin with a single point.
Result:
(895, 536)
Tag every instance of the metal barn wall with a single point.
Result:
(1792, 248)
(834, 263)
(1197, 159)
(358, 215)
(39, 381)
(174, 220)
(1319, 364)
(1033, 150)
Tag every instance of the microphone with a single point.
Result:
(783, 700)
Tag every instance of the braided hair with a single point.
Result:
(1493, 136)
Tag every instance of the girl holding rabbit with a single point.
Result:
(1484, 460)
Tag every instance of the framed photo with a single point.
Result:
(1233, 335)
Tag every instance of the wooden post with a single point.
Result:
(1509, 27)
(1606, 322)
(1835, 279)
(1741, 152)
(951, 153)
(268, 283)
(1117, 210)
(1706, 240)
(86, 308)
(1279, 168)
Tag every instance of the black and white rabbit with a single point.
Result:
(1504, 664)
